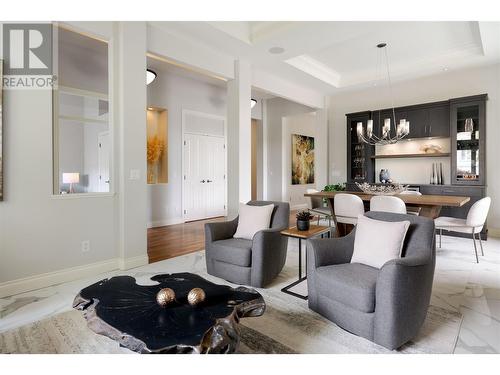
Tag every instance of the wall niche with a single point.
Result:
(157, 143)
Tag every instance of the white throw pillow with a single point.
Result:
(252, 220)
(377, 242)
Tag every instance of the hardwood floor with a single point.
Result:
(174, 240)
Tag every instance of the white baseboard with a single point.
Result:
(163, 223)
(43, 280)
(494, 232)
(128, 263)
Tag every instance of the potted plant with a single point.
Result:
(303, 218)
(334, 187)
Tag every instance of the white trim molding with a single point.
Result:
(133, 262)
(166, 222)
(43, 280)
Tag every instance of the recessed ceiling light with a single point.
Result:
(150, 76)
(276, 50)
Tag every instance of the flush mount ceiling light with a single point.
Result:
(402, 129)
(276, 50)
(150, 76)
(252, 103)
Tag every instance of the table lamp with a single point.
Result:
(71, 178)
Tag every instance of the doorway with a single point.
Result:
(204, 166)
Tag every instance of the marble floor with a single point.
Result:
(460, 284)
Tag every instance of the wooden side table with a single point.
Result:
(314, 231)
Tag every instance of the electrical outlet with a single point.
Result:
(85, 246)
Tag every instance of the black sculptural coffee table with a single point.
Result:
(128, 313)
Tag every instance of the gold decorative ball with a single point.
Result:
(165, 296)
(196, 296)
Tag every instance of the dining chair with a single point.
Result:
(347, 207)
(412, 210)
(476, 217)
(316, 207)
(384, 203)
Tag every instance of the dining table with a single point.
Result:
(430, 205)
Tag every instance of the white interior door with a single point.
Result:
(216, 176)
(204, 177)
(103, 160)
(194, 180)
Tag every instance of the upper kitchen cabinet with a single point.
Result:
(429, 120)
(439, 120)
(468, 146)
(419, 120)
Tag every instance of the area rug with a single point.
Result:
(287, 326)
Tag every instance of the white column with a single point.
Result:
(321, 147)
(265, 138)
(129, 103)
(239, 137)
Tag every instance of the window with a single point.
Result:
(82, 137)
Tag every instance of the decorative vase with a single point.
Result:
(438, 173)
(441, 173)
(384, 176)
(303, 225)
(433, 175)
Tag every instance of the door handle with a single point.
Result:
(202, 181)
(209, 181)
(106, 182)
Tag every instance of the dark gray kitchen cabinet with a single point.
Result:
(468, 141)
(360, 165)
(439, 120)
(419, 120)
(426, 120)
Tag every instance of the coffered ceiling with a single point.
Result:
(333, 56)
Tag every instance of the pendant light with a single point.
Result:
(401, 130)
(150, 76)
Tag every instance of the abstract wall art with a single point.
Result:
(302, 159)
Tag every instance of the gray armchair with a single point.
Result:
(250, 262)
(387, 306)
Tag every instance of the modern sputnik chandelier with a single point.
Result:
(386, 137)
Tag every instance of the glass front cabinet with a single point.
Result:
(468, 127)
(360, 165)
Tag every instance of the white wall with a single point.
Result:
(41, 234)
(176, 93)
(444, 86)
(275, 110)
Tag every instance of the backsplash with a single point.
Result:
(413, 146)
(413, 170)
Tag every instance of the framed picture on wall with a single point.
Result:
(302, 159)
(1, 124)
